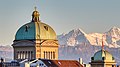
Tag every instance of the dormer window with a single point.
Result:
(103, 58)
(46, 28)
(26, 28)
(113, 58)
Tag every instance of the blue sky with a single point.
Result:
(63, 15)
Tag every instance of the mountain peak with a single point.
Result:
(115, 28)
(114, 32)
(79, 31)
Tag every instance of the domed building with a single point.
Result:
(102, 58)
(35, 40)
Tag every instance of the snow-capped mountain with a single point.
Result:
(114, 32)
(77, 37)
(77, 43)
(72, 38)
(113, 37)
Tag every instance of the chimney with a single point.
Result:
(80, 61)
(2, 60)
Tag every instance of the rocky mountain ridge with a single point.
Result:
(77, 44)
(77, 36)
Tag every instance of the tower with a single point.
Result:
(35, 40)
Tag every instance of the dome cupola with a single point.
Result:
(102, 55)
(35, 30)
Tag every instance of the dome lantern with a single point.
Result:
(35, 16)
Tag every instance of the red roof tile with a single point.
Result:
(62, 63)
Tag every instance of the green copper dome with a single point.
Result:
(35, 30)
(103, 55)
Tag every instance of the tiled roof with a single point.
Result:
(62, 63)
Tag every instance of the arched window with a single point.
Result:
(28, 54)
(31, 54)
(53, 55)
(44, 54)
(25, 54)
(49, 55)
(18, 55)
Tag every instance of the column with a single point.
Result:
(46, 55)
(30, 54)
(20, 55)
(23, 54)
(27, 54)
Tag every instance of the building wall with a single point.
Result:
(47, 50)
(21, 53)
(110, 65)
(97, 65)
(9, 64)
(103, 64)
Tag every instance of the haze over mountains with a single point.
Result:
(6, 52)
